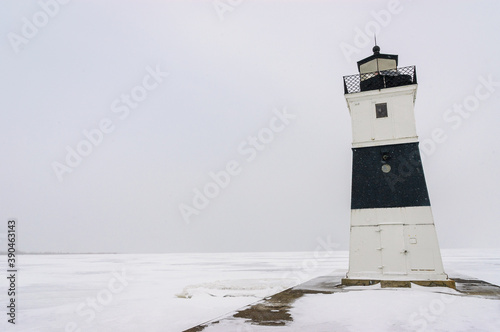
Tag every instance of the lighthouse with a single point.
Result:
(392, 235)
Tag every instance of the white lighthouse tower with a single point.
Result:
(393, 238)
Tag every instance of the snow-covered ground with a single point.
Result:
(172, 292)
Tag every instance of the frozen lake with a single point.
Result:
(172, 292)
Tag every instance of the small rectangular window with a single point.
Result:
(381, 110)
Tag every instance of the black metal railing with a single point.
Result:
(380, 79)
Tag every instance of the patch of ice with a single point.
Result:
(237, 288)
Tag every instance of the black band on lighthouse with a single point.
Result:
(388, 176)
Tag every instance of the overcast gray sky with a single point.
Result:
(169, 91)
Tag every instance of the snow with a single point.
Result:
(172, 292)
(415, 309)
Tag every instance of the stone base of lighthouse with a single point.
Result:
(399, 283)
